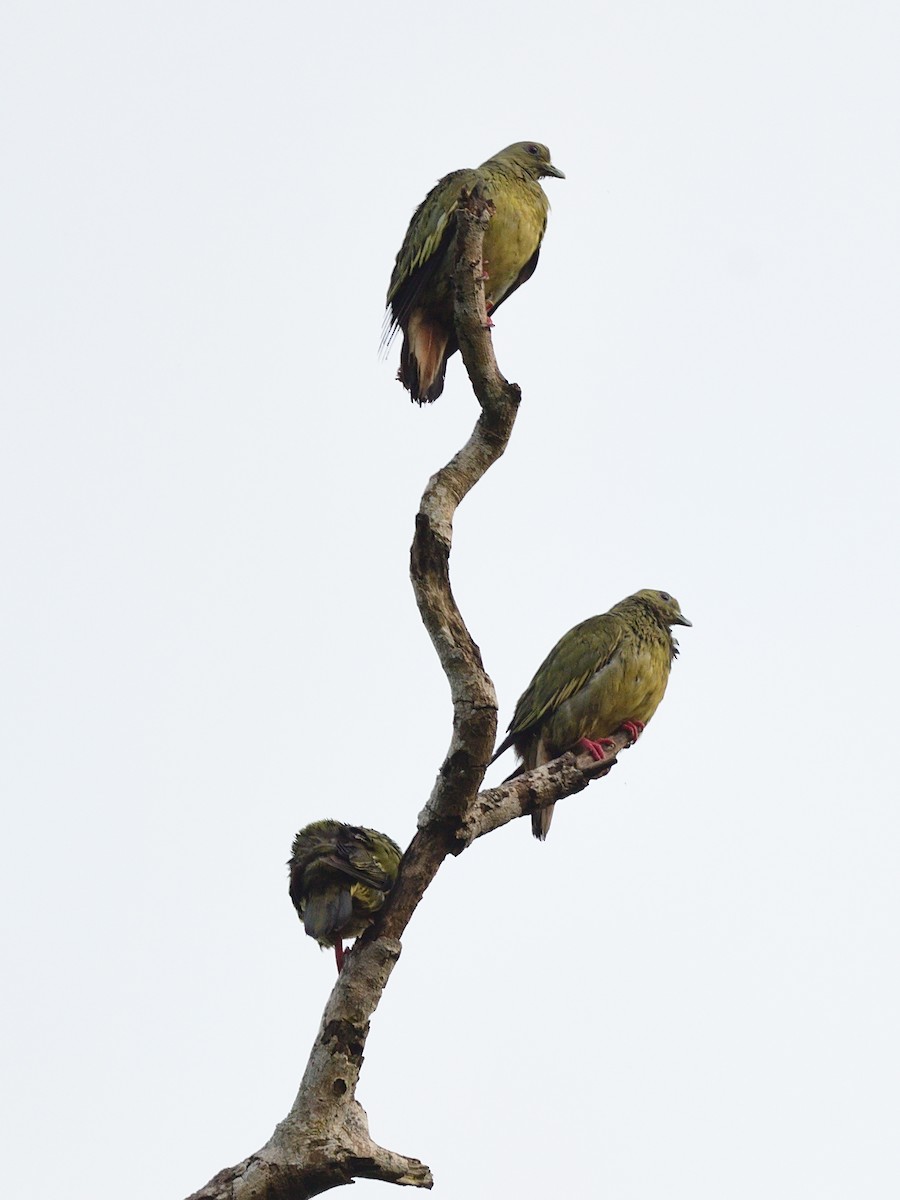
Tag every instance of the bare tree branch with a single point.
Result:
(324, 1140)
(526, 793)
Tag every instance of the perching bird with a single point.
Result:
(608, 673)
(420, 297)
(340, 876)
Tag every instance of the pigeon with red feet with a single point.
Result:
(608, 673)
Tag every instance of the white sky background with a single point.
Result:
(208, 482)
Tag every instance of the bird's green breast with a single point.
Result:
(514, 233)
(628, 688)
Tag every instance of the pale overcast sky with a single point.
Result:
(208, 481)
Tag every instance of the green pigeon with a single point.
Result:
(420, 297)
(608, 673)
(340, 876)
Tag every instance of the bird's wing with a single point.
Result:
(370, 858)
(577, 656)
(429, 233)
(353, 865)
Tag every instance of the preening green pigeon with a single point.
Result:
(340, 876)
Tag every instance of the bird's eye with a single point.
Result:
(534, 150)
(665, 596)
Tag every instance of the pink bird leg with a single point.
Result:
(339, 954)
(633, 728)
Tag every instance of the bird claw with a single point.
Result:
(595, 748)
(634, 729)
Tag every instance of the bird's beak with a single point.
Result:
(549, 169)
(682, 620)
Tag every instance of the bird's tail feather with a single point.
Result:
(423, 359)
(540, 822)
(327, 911)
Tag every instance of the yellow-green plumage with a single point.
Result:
(339, 878)
(608, 671)
(420, 296)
